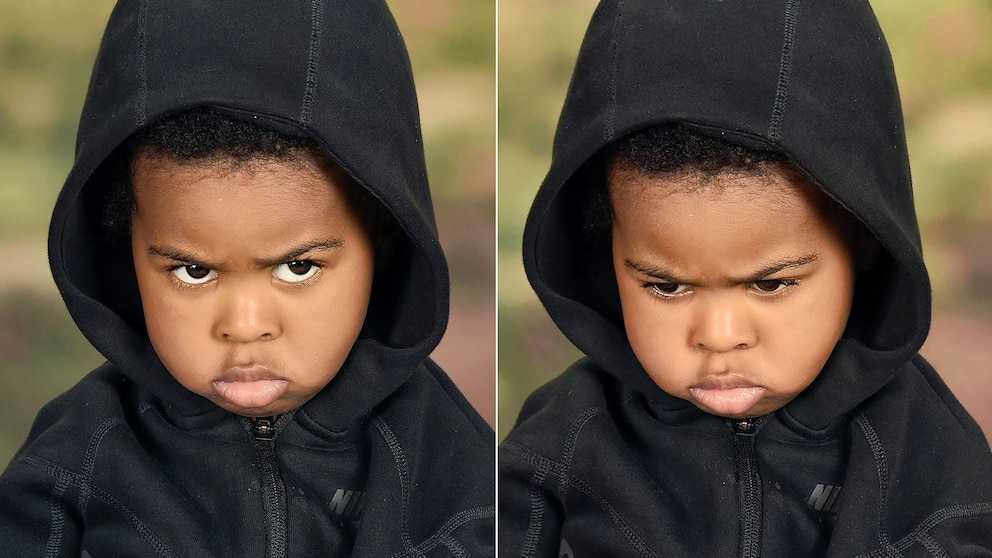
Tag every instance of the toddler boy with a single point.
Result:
(247, 236)
(727, 232)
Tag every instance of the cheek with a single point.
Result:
(657, 333)
(179, 331)
(803, 333)
(322, 326)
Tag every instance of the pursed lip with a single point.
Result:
(724, 381)
(251, 373)
(250, 387)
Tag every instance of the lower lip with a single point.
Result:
(249, 395)
(729, 401)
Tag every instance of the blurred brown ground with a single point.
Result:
(959, 348)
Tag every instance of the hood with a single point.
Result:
(812, 80)
(334, 71)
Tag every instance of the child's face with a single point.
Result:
(734, 294)
(254, 282)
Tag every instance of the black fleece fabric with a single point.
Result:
(876, 457)
(389, 459)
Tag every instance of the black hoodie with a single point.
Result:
(389, 459)
(876, 457)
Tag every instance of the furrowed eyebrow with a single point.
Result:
(655, 271)
(179, 255)
(662, 274)
(780, 265)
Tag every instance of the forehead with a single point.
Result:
(721, 222)
(252, 203)
(775, 191)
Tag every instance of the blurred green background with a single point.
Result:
(943, 56)
(47, 48)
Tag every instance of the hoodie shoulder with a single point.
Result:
(946, 401)
(456, 397)
(429, 398)
(64, 431)
(582, 391)
(432, 462)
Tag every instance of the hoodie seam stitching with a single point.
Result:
(89, 459)
(936, 518)
(784, 71)
(631, 536)
(568, 449)
(443, 533)
(142, 107)
(882, 470)
(313, 59)
(535, 523)
(402, 470)
(940, 516)
(456, 548)
(609, 128)
(56, 512)
(931, 546)
(76, 479)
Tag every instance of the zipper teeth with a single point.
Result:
(276, 498)
(750, 489)
(273, 489)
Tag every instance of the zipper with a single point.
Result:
(749, 486)
(263, 430)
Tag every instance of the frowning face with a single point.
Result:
(254, 280)
(734, 293)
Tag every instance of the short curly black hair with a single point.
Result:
(677, 149)
(674, 150)
(201, 135)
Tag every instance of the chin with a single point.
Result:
(253, 412)
(750, 414)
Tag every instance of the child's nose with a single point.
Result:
(721, 326)
(247, 317)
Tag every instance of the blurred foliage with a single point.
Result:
(47, 49)
(39, 353)
(942, 53)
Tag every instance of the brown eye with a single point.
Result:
(193, 274)
(300, 267)
(771, 286)
(296, 271)
(768, 286)
(197, 272)
(666, 290)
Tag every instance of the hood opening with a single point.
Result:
(835, 112)
(573, 271)
(94, 268)
(344, 81)
(401, 307)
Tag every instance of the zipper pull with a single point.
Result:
(743, 426)
(263, 428)
(746, 426)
